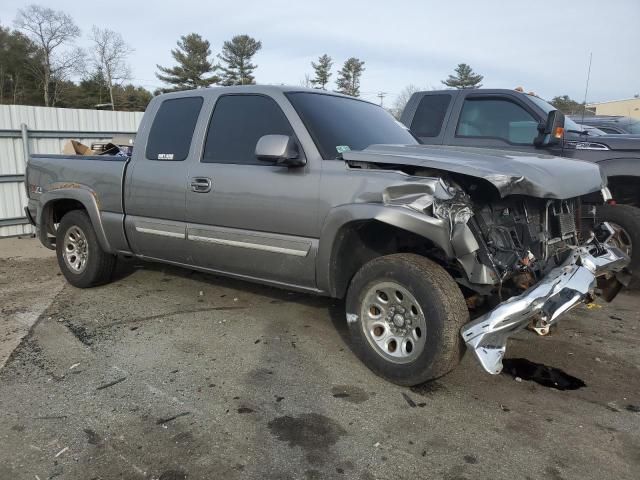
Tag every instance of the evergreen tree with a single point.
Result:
(349, 77)
(131, 98)
(322, 71)
(194, 69)
(464, 77)
(91, 92)
(567, 105)
(236, 55)
(18, 55)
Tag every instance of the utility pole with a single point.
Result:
(381, 96)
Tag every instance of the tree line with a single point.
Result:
(39, 59)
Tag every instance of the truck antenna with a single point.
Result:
(586, 89)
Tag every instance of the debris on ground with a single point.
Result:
(111, 384)
(61, 452)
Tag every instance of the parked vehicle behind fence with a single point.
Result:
(431, 247)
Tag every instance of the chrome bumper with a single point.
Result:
(563, 288)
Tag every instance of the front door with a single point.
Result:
(492, 121)
(247, 217)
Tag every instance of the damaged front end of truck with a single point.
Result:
(516, 250)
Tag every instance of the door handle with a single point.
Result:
(201, 184)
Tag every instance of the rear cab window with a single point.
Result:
(429, 117)
(172, 129)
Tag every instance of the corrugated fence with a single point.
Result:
(25, 130)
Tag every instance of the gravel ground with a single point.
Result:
(172, 374)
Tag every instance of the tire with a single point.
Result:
(80, 256)
(625, 219)
(441, 311)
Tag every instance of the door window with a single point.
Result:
(172, 129)
(237, 123)
(497, 118)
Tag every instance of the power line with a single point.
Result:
(381, 96)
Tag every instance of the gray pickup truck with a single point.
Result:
(432, 247)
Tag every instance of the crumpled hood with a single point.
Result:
(511, 173)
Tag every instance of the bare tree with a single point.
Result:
(306, 82)
(109, 55)
(401, 100)
(51, 31)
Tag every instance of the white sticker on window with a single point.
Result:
(165, 156)
(342, 148)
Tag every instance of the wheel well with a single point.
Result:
(625, 190)
(57, 209)
(361, 241)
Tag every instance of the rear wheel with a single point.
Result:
(80, 256)
(404, 314)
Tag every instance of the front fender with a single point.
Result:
(80, 193)
(434, 229)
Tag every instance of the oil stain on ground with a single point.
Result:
(350, 393)
(312, 432)
(428, 388)
(547, 376)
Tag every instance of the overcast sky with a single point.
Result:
(541, 45)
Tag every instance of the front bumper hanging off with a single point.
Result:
(563, 288)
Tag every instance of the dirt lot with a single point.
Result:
(171, 374)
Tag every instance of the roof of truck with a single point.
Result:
(263, 89)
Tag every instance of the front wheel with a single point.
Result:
(625, 220)
(404, 314)
(80, 256)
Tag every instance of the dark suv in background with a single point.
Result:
(612, 125)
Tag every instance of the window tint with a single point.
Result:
(237, 124)
(338, 124)
(172, 129)
(634, 128)
(429, 116)
(497, 118)
(608, 130)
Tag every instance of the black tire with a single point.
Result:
(442, 303)
(628, 218)
(99, 265)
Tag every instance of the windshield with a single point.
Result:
(547, 107)
(339, 124)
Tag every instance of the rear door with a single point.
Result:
(156, 183)
(247, 217)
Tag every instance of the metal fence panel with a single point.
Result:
(48, 130)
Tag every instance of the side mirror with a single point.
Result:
(279, 149)
(551, 131)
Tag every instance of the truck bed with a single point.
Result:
(102, 175)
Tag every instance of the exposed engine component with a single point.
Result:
(526, 237)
